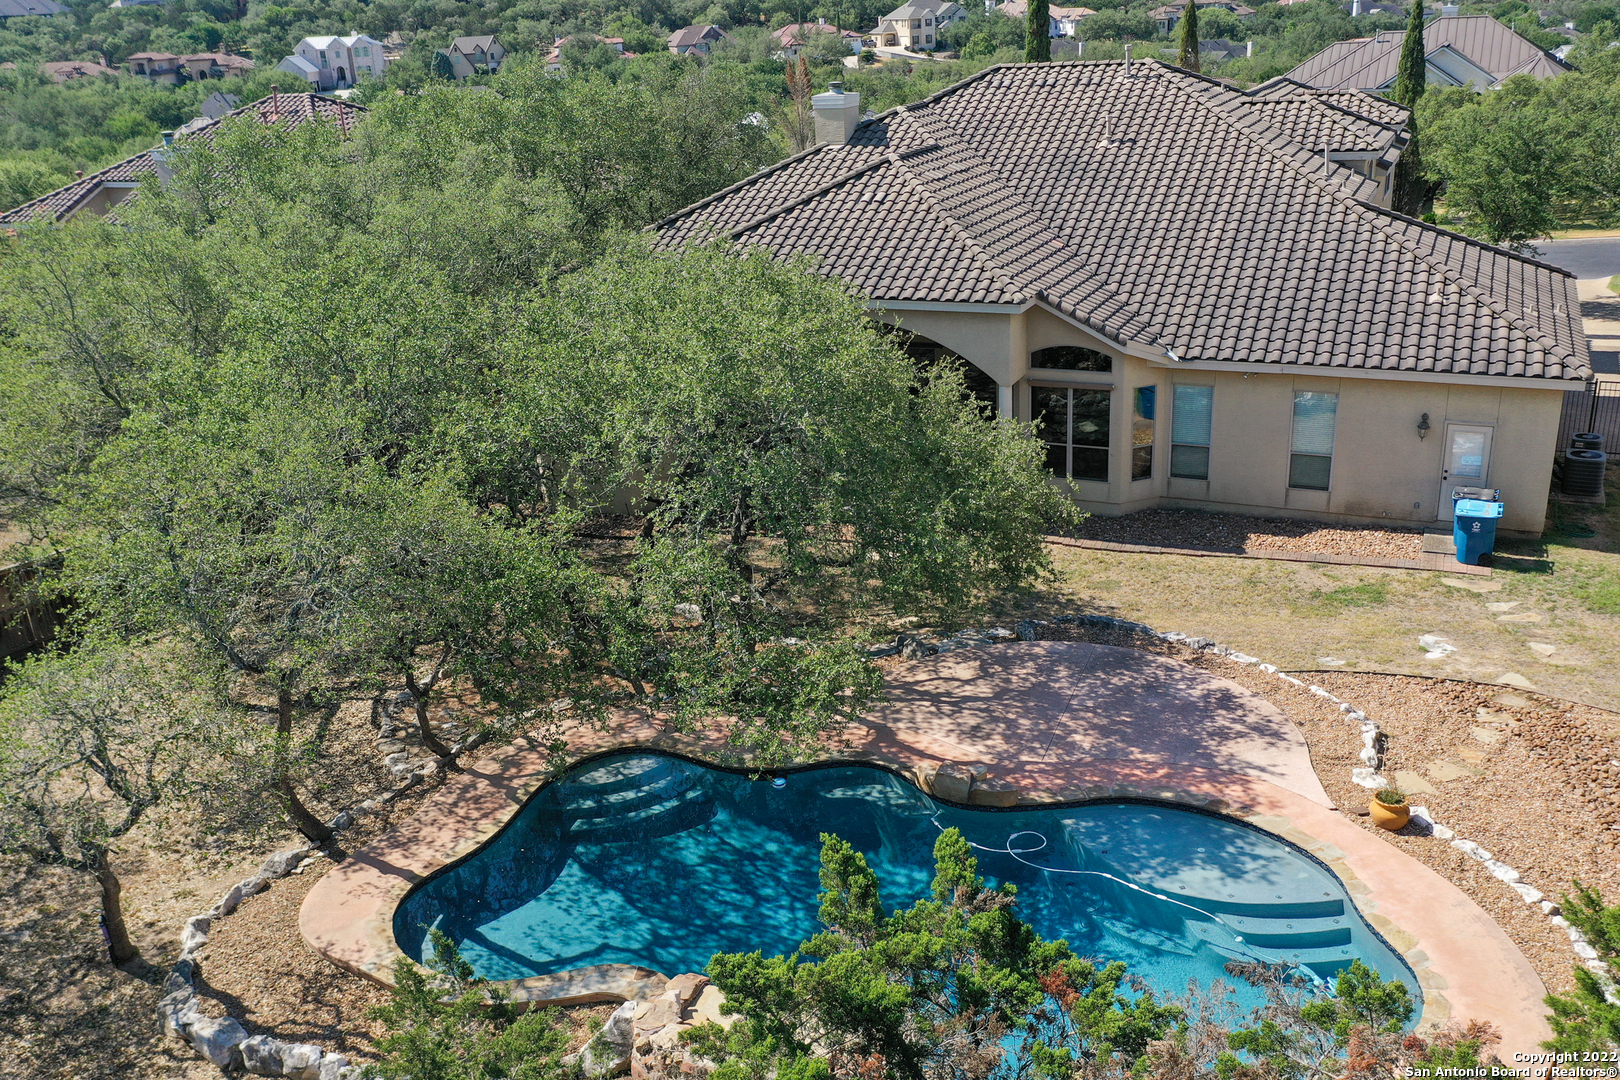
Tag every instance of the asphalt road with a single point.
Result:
(1583, 258)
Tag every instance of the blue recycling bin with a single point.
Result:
(1474, 529)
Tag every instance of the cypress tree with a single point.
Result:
(1411, 80)
(1188, 57)
(1038, 33)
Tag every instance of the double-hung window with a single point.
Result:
(1310, 463)
(1189, 432)
(1073, 423)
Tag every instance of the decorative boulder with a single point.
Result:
(684, 990)
(608, 1052)
(953, 782)
(993, 793)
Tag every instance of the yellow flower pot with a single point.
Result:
(1390, 817)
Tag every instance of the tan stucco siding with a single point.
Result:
(1381, 470)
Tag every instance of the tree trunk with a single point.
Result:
(119, 946)
(314, 830)
(419, 698)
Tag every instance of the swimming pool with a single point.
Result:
(652, 860)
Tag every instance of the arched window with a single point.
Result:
(928, 354)
(1071, 358)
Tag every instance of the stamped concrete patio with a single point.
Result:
(1064, 722)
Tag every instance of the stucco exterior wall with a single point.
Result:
(1382, 471)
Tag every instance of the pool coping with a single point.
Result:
(1465, 964)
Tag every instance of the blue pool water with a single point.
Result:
(652, 860)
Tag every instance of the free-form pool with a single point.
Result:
(650, 860)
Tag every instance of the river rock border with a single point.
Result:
(1373, 740)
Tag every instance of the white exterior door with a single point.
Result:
(1467, 461)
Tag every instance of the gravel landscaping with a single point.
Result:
(1203, 531)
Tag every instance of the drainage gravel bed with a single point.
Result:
(1236, 532)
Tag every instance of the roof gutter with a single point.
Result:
(1523, 382)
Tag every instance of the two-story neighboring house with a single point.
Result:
(1167, 16)
(916, 26)
(795, 36)
(215, 65)
(333, 63)
(471, 56)
(1064, 21)
(157, 66)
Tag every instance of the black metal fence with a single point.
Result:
(1596, 408)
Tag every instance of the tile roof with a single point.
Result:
(290, 109)
(1370, 63)
(469, 45)
(1162, 209)
(64, 70)
(13, 8)
(688, 36)
(1346, 121)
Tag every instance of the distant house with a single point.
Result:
(1462, 50)
(100, 193)
(218, 103)
(696, 39)
(471, 56)
(334, 63)
(68, 70)
(1167, 16)
(16, 9)
(554, 57)
(916, 26)
(1065, 21)
(215, 65)
(1184, 304)
(157, 66)
(795, 36)
(135, 3)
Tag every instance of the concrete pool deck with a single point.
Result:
(1061, 721)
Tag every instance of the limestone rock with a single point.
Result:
(263, 1055)
(1526, 893)
(608, 1052)
(281, 863)
(1368, 779)
(1522, 617)
(1486, 735)
(218, 1039)
(1473, 584)
(1412, 783)
(953, 782)
(1541, 648)
(993, 793)
(1027, 630)
(194, 935)
(178, 1012)
(652, 1015)
(333, 1066)
(706, 1009)
(685, 989)
(1514, 679)
(913, 647)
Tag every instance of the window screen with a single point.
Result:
(1071, 358)
(1310, 465)
(1189, 432)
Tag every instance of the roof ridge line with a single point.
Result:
(965, 235)
(1310, 172)
(1097, 282)
(757, 174)
(1373, 214)
(818, 192)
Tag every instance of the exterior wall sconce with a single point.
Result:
(1423, 427)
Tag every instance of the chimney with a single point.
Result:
(1248, 50)
(168, 138)
(1355, 9)
(837, 113)
(275, 103)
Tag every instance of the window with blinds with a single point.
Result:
(1190, 422)
(1310, 465)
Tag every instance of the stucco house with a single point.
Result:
(915, 26)
(1191, 308)
(335, 63)
(1063, 21)
(157, 66)
(1461, 50)
(100, 193)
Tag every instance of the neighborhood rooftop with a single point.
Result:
(1158, 209)
(124, 177)
(1460, 49)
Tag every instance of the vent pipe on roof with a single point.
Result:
(275, 102)
(1127, 59)
(837, 113)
